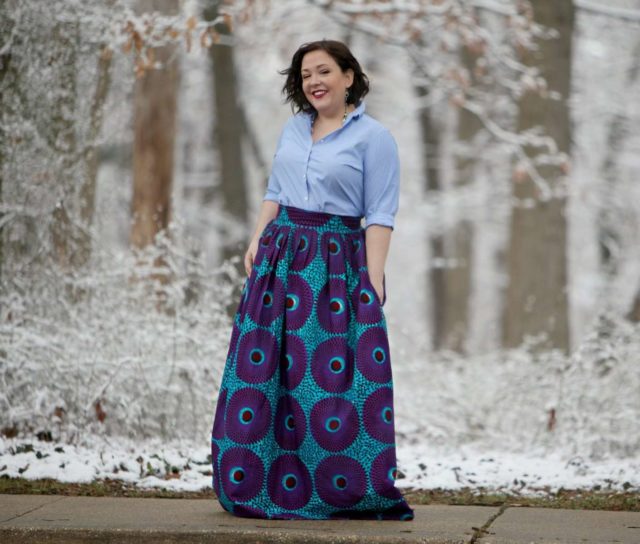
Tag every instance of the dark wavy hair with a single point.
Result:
(344, 58)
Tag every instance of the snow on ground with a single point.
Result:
(535, 473)
(185, 466)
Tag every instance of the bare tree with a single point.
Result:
(451, 281)
(5, 68)
(536, 299)
(87, 194)
(155, 105)
(609, 213)
(69, 239)
(432, 136)
(228, 133)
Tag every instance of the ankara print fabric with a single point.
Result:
(304, 423)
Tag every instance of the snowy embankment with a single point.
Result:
(114, 387)
(185, 466)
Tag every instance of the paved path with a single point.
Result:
(50, 518)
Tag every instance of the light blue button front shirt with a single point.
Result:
(354, 170)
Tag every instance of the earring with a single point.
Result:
(346, 101)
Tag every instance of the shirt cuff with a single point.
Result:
(384, 219)
(270, 196)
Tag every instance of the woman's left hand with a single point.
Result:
(379, 287)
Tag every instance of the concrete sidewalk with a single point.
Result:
(50, 518)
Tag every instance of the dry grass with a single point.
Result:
(593, 499)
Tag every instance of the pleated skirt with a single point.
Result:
(304, 421)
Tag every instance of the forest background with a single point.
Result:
(135, 143)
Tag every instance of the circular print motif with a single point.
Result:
(218, 422)
(334, 423)
(241, 473)
(341, 481)
(365, 301)
(244, 297)
(305, 243)
(233, 342)
(248, 416)
(333, 310)
(265, 246)
(378, 415)
(332, 365)
(372, 355)
(257, 356)
(358, 258)
(289, 482)
(215, 451)
(266, 299)
(298, 302)
(290, 424)
(384, 473)
(293, 361)
(333, 252)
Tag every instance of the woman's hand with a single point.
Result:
(377, 282)
(268, 211)
(379, 287)
(250, 256)
(377, 239)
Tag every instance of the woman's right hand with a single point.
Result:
(250, 256)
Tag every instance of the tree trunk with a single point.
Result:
(5, 61)
(155, 105)
(634, 313)
(456, 244)
(609, 212)
(536, 300)
(68, 239)
(88, 189)
(431, 136)
(228, 134)
(230, 124)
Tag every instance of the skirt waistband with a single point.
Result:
(292, 216)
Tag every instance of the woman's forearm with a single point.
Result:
(377, 238)
(268, 211)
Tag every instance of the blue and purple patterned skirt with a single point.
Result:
(304, 422)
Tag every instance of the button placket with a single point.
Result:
(306, 176)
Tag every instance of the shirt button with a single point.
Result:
(306, 198)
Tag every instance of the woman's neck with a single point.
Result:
(333, 118)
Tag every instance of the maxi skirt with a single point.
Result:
(304, 422)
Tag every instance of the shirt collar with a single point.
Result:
(358, 111)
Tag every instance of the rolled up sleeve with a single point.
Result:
(381, 180)
(273, 189)
(273, 185)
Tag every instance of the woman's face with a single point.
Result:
(324, 83)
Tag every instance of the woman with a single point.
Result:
(304, 419)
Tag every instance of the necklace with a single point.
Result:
(344, 117)
(314, 117)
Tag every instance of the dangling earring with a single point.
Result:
(346, 101)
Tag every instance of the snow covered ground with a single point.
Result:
(184, 466)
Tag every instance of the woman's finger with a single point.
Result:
(248, 262)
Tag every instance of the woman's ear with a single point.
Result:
(350, 76)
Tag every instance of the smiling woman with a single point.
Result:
(324, 84)
(304, 423)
